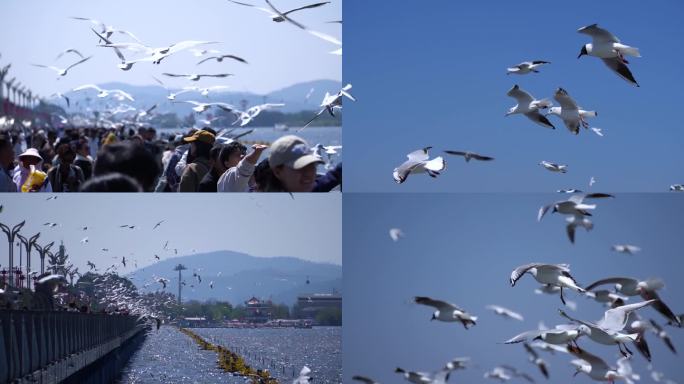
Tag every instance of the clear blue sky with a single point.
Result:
(434, 74)
(35, 31)
(307, 227)
(462, 248)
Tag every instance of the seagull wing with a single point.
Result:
(70, 50)
(188, 44)
(615, 319)
(364, 379)
(284, 16)
(173, 75)
(539, 119)
(124, 94)
(528, 335)
(598, 34)
(324, 36)
(419, 155)
(439, 304)
(456, 153)
(611, 280)
(306, 7)
(542, 211)
(78, 62)
(87, 86)
(312, 119)
(521, 270)
(596, 362)
(207, 59)
(48, 66)
(619, 67)
(566, 102)
(520, 95)
(237, 58)
(481, 158)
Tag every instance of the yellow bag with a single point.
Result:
(34, 181)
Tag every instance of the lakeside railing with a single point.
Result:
(31, 341)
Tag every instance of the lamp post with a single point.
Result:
(43, 251)
(179, 268)
(11, 235)
(28, 245)
(3, 73)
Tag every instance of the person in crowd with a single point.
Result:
(221, 158)
(112, 182)
(83, 159)
(6, 164)
(293, 165)
(200, 146)
(130, 159)
(65, 177)
(237, 177)
(27, 160)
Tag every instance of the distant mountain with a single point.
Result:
(281, 279)
(294, 97)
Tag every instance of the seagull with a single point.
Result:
(470, 155)
(275, 16)
(201, 52)
(303, 377)
(447, 312)
(51, 225)
(62, 96)
(211, 284)
(562, 334)
(606, 296)
(608, 48)
(551, 274)
(573, 206)
(647, 289)
(105, 249)
(571, 190)
(172, 96)
(205, 91)
(163, 281)
(156, 54)
(157, 257)
(571, 114)
(247, 116)
(534, 358)
(332, 102)
(396, 234)
(221, 57)
(157, 225)
(526, 67)
(123, 261)
(592, 365)
(597, 131)
(364, 379)
(201, 107)
(196, 77)
(660, 332)
(84, 240)
(505, 312)
(677, 187)
(415, 377)
(91, 265)
(608, 331)
(529, 106)
(70, 50)
(105, 92)
(498, 373)
(553, 167)
(419, 162)
(62, 71)
(625, 248)
(124, 65)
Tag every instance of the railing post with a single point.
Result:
(4, 347)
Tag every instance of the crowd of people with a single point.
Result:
(128, 160)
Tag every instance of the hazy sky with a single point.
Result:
(435, 75)
(462, 248)
(308, 227)
(279, 54)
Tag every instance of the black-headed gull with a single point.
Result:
(419, 162)
(677, 187)
(469, 155)
(119, 94)
(62, 71)
(560, 335)
(332, 102)
(593, 366)
(275, 16)
(572, 115)
(195, 76)
(529, 106)
(608, 48)
(647, 289)
(414, 376)
(498, 373)
(625, 248)
(201, 107)
(247, 116)
(505, 312)
(550, 274)
(221, 57)
(364, 379)
(70, 50)
(554, 167)
(447, 312)
(526, 67)
(574, 205)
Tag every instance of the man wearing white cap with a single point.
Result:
(27, 159)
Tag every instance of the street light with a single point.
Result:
(28, 244)
(11, 235)
(43, 251)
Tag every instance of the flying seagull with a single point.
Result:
(608, 48)
(625, 248)
(529, 106)
(332, 102)
(469, 155)
(62, 71)
(221, 57)
(105, 92)
(526, 67)
(396, 234)
(550, 274)
(196, 77)
(553, 167)
(447, 312)
(571, 114)
(419, 162)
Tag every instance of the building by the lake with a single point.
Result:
(258, 311)
(310, 304)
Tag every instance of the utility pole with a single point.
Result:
(179, 268)
(11, 235)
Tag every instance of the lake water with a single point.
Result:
(169, 356)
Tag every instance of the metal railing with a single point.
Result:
(32, 340)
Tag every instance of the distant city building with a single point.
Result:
(310, 305)
(258, 311)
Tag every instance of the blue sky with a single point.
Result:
(259, 225)
(35, 31)
(434, 74)
(462, 248)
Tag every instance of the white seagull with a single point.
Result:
(625, 248)
(447, 312)
(608, 48)
(197, 77)
(332, 102)
(396, 234)
(593, 366)
(419, 162)
(467, 156)
(529, 106)
(62, 71)
(551, 274)
(505, 312)
(221, 57)
(201, 107)
(554, 167)
(526, 67)
(571, 114)
(677, 187)
(105, 92)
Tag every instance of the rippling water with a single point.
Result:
(284, 351)
(168, 356)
